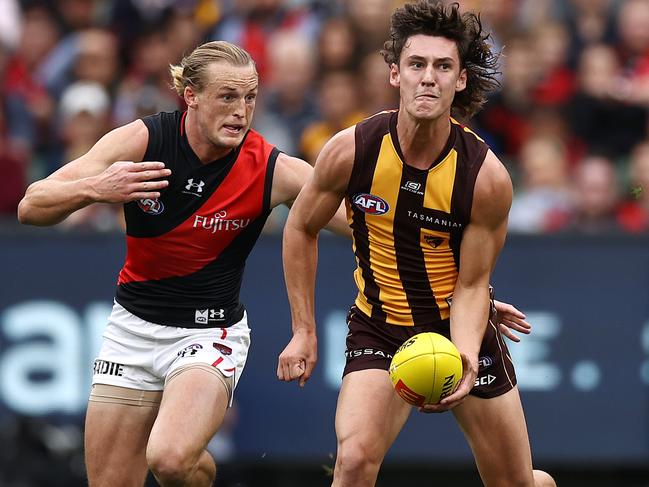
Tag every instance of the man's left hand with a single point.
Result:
(469, 373)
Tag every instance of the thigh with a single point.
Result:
(116, 436)
(370, 414)
(192, 410)
(497, 434)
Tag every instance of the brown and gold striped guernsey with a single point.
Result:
(407, 223)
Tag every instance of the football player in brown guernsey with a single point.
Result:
(427, 202)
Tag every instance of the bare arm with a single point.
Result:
(96, 177)
(316, 204)
(482, 241)
(291, 175)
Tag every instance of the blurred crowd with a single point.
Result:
(570, 119)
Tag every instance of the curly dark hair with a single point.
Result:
(433, 18)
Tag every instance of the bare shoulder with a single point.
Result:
(492, 196)
(334, 165)
(291, 174)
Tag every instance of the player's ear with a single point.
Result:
(394, 75)
(190, 97)
(460, 84)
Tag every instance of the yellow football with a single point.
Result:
(425, 369)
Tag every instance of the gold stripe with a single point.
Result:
(440, 267)
(383, 257)
(439, 184)
(440, 264)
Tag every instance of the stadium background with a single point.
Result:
(570, 121)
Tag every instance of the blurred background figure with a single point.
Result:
(371, 21)
(596, 115)
(595, 200)
(85, 117)
(338, 104)
(634, 47)
(543, 188)
(374, 78)
(287, 95)
(504, 121)
(338, 45)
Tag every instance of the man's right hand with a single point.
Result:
(125, 181)
(298, 359)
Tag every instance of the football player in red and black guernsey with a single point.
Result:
(197, 187)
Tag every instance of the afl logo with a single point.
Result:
(373, 205)
(151, 206)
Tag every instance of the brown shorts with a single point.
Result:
(371, 345)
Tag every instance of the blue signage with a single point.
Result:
(583, 373)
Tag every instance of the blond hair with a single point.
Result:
(192, 70)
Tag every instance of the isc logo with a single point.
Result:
(368, 203)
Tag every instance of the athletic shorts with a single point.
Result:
(140, 355)
(371, 345)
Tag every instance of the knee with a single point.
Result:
(354, 459)
(543, 479)
(169, 464)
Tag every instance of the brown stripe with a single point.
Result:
(411, 263)
(368, 138)
(471, 153)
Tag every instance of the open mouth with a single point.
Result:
(233, 129)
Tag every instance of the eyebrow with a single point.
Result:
(417, 57)
(230, 88)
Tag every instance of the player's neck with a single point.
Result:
(422, 141)
(204, 149)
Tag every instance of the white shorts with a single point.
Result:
(141, 355)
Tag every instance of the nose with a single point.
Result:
(429, 76)
(240, 108)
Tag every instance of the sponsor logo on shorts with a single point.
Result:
(484, 362)
(484, 380)
(190, 350)
(225, 350)
(366, 351)
(204, 316)
(151, 206)
(371, 204)
(103, 367)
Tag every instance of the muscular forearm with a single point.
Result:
(469, 315)
(50, 201)
(300, 253)
(338, 224)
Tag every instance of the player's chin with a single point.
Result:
(230, 142)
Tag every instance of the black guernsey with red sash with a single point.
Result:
(186, 251)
